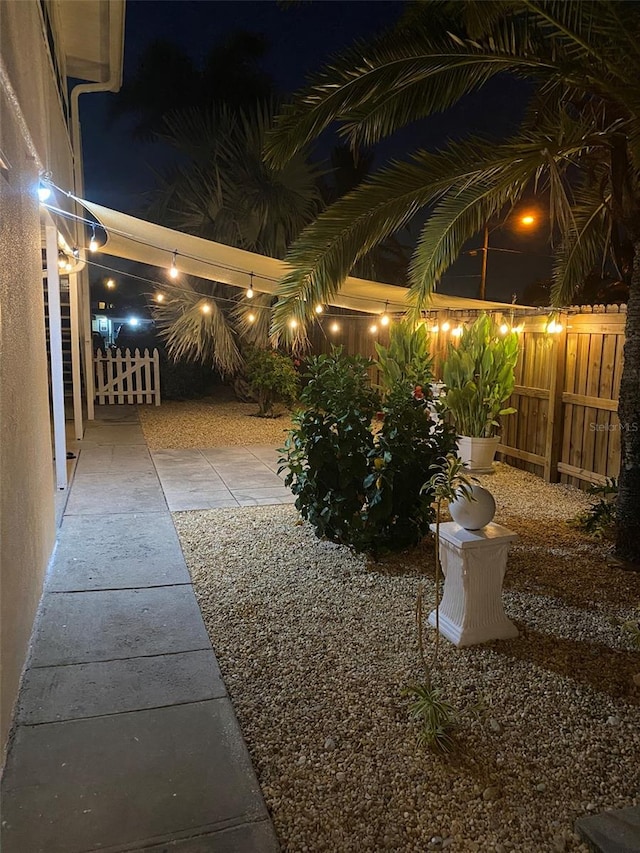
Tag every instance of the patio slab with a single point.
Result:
(160, 770)
(110, 459)
(116, 552)
(78, 627)
(117, 433)
(71, 692)
(615, 831)
(131, 492)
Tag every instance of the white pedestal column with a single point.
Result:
(473, 563)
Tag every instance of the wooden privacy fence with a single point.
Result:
(567, 386)
(123, 377)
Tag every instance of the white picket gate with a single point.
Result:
(126, 378)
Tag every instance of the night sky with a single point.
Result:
(301, 38)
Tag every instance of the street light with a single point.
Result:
(527, 220)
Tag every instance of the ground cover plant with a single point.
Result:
(357, 485)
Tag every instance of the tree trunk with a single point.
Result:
(628, 505)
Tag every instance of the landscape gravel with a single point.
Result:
(210, 422)
(316, 644)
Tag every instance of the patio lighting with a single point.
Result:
(384, 317)
(435, 329)
(319, 309)
(62, 260)
(110, 283)
(173, 272)
(519, 329)
(457, 332)
(249, 293)
(334, 327)
(251, 318)
(553, 327)
(373, 329)
(93, 243)
(504, 329)
(44, 192)
(206, 308)
(159, 297)
(446, 326)
(527, 219)
(293, 324)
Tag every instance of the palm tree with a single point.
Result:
(579, 142)
(222, 190)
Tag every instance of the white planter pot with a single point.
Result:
(474, 514)
(477, 453)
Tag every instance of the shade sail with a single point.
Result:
(138, 240)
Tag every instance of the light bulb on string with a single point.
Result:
(446, 326)
(293, 323)
(206, 308)
(384, 317)
(504, 329)
(251, 318)
(319, 309)
(173, 272)
(435, 329)
(457, 332)
(110, 283)
(93, 243)
(159, 297)
(249, 293)
(373, 329)
(62, 260)
(68, 265)
(334, 327)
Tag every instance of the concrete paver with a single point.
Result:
(125, 738)
(74, 691)
(182, 767)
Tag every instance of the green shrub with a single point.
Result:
(354, 486)
(599, 520)
(272, 378)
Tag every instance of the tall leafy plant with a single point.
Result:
(407, 358)
(479, 375)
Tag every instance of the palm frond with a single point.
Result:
(254, 331)
(581, 249)
(195, 328)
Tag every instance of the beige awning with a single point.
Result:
(138, 240)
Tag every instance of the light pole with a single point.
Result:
(527, 221)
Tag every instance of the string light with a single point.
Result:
(62, 260)
(384, 318)
(319, 309)
(159, 297)
(519, 329)
(110, 283)
(446, 326)
(293, 324)
(173, 272)
(554, 327)
(435, 329)
(68, 265)
(334, 327)
(373, 329)
(249, 293)
(457, 332)
(206, 308)
(504, 329)
(251, 318)
(93, 243)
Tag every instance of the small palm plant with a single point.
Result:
(429, 707)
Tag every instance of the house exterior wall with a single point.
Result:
(33, 135)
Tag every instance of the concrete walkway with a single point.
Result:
(126, 738)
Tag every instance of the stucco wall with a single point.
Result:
(31, 130)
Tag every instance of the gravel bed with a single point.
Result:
(210, 422)
(315, 645)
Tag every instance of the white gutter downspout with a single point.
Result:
(82, 303)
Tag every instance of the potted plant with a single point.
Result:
(479, 375)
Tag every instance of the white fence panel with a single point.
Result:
(126, 378)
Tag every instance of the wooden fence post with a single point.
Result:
(555, 423)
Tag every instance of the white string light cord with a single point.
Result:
(383, 320)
